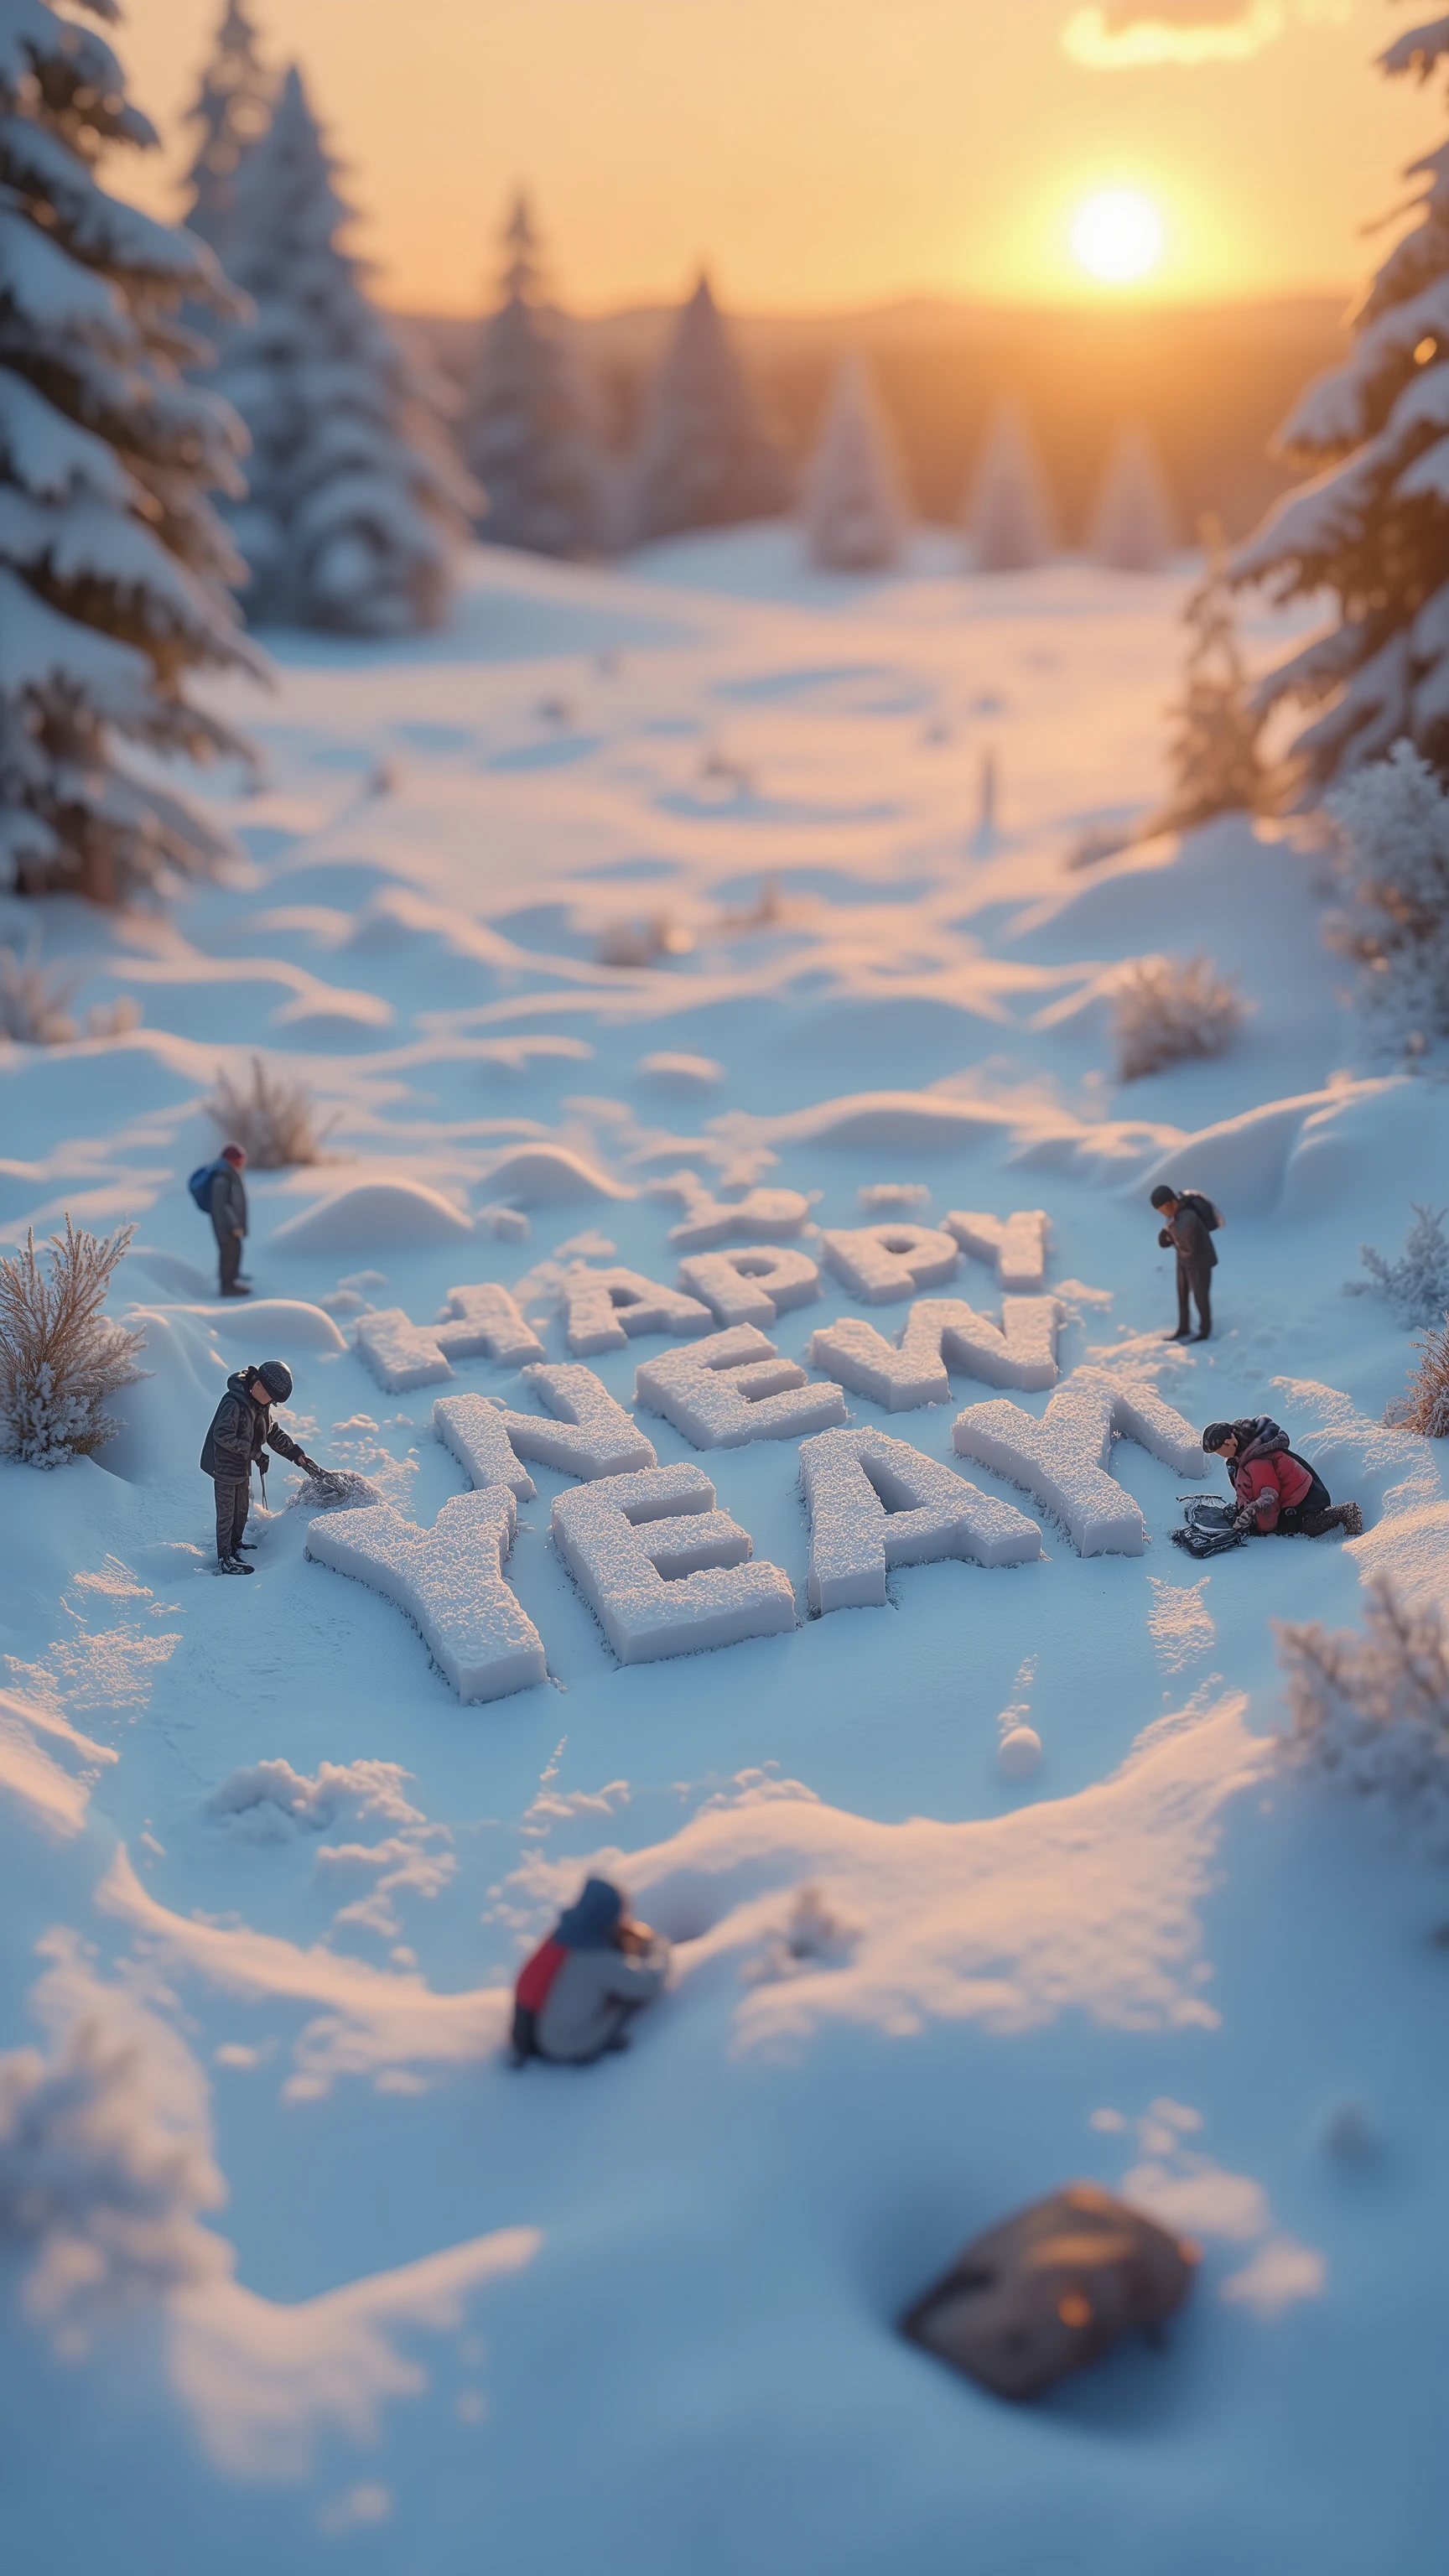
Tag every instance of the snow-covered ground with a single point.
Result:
(306, 2274)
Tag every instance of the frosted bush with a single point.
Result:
(1425, 1406)
(32, 1000)
(60, 1357)
(1371, 1710)
(1393, 822)
(274, 1120)
(1417, 1284)
(1167, 1010)
(813, 1936)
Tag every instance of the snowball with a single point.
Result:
(941, 1331)
(1015, 1247)
(485, 1318)
(603, 1307)
(751, 1286)
(732, 1388)
(401, 1214)
(1019, 1752)
(400, 1355)
(663, 1571)
(1063, 1458)
(875, 1502)
(449, 1581)
(477, 1434)
(585, 1433)
(879, 1262)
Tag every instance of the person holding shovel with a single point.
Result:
(241, 1430)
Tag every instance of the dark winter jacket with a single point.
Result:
(240, 1430)
(1186, 1234)
(228, 1202)
(1267, 1478)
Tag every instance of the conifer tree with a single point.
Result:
(528, 434)
(113, 564)
(355, 505)
(1008, 517)
(1132, 522)
(706, 457)
(1372, 528)
(1217, 767)
(855, 512)
(232, 107)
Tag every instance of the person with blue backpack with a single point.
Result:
(220, 1193)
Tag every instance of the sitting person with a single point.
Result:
(1278, 1492)
(581, 1985)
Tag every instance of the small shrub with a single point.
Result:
(113, 1019)
(1371, 1710)
(1417, 1284)
(813, 1936)
(1167, 1011)
(33, 1000)
(275, 1122)
(1425, 1406)
(60, 1357)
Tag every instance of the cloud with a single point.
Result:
(1124, 35)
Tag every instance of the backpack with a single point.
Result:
(200, 1185)
(1208, 1528)
(1203, 1207)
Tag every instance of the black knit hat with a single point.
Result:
(276, 1377)
(1162, 1194)
(1216, 1435)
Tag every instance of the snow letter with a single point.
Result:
(585, 1433)
(1016, 1248)
(941, 1332)
(1063, 1458)
(708, 1220)
(399, 1354)
(477, 1434)
(485, 1319)
(879, 1262)
(602, 1307)
(732, 1388)
(449, 1581)
(876, 1502)
(664, 1572)
(752, 1286)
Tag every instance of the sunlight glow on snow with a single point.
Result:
(1117, 236)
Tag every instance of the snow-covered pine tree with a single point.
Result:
(854, 510)
(356, 505)
(706, 457)
(1217, 767)
(113, 565)
(232, 107)
(1008, 512)
(528, 433)
(1132, 522)
(1393, 821)
(1372, 528)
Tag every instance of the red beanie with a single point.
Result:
(233, 1154)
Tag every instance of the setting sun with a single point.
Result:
(1117, 236)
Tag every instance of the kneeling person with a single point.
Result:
(576, 1993)
(1278, 1493)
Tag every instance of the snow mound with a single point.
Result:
(163, 1417)
(663, 1571)
(548, 1176)
(584, 1432)
(732, 1388)
(167, 1270)
(1015, 1246)
(337, 1489)
(449, 1581)
(45, 1763)
(286, 1323)
(876, 1502)
(602, 1308)
(370, 1216)
(477, 1434)
(270, 1802)
(1063, 1459)
(881, 1262)
(941, 1331)
(752, 1285)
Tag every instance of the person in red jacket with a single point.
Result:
(1278, 1493)
(577, 1992)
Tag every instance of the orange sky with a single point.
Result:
(828, 153)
